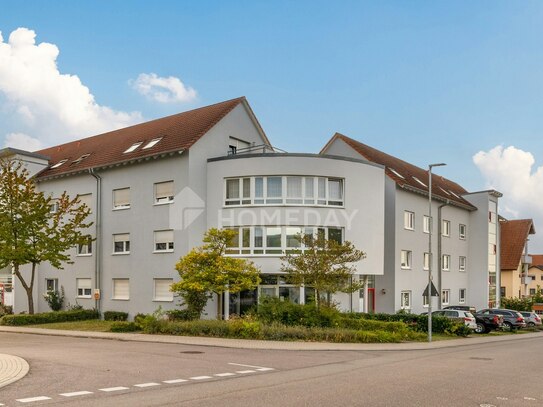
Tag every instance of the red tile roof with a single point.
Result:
(403, 172)
(537, 261)
(178, 132)
(513, 236)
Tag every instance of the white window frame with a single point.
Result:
(133, 147)
(426, 224)
(406, 259)
(117, 207)
(426, 261)
(446, 228)
(165, 199)
(445, 297)
(158, 298)
(405, 295)
(462, 233)
(126, 243)
(425, 303)
(169, 248)
(54, 205)
(462, 296)
(151, 143)
(114, 295)
(83, 290)
(409, 220)
(55, 284)
(462, 261)
(446, 262)
(84, 250)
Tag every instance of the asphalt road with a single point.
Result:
(85, 372)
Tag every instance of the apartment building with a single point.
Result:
(156, 187)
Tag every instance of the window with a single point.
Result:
(426, 261)
(273, 240)
(274, 190)
(502, 292)
(133, 147)
(121, 243)
(162, 289)
(446, 262)
(84, 249)
(51, 284)
(405, 300)
(445, 294)
(85, 199)
(426, 221)
(409, 220)
(462, 263)
(121, 198)
(396, 173)
(121, 289)
(164, 192)
(462, 296)
(425, 301)
(84, 288)
(152, 143)
(335, 192)
(59, 163)
(164, 241)
(238, 191)
(446, 228)
(462, 231)
(405, 259)
(75, 162)
(491, 248)
(54, 206)
(532, 291)
(336, 235)
(294, 190)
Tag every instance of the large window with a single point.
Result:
(273, 285)
(446, 262)
(446, 228)
(164, 241)
(409, 220)
(84, 287)
(284, 190)
(445, 297)
(162, 289)
(121, 243)
(121, 289)
(405, 300)
(276, 240)
(164, 192)
(426, 224)
(121, 198)
(405, 259)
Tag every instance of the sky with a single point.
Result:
(456, 82)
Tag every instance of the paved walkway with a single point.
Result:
(13, 368)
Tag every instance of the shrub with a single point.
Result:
(115, 316)
(5, 310)
(182, 315)
(272, 309)
(123, 326)
(55, 299)
(49, 317)
(418, 323)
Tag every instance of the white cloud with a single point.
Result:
(163, 90)
(512, 172)
(23, 142)
(52, 106)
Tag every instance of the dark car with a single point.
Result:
(511, 319)
(468, 308)
(487, 322)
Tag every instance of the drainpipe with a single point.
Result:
(98, 254)
(439, 260)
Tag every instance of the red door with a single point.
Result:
(371, 300)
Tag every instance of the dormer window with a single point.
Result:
(152, 143)
(75, 162)
(420, 182)
(133, 147)
(59, 163)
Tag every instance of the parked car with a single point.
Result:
(531, 318)
(511, 319)
(487, 322)
(469, 319)
(462, 307)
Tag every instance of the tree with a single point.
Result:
(32, 233)
(325, 265)
(206, 270)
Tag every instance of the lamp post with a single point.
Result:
(429, 292)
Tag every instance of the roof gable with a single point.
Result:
(513, 237)
(174, 133)
(406, 175)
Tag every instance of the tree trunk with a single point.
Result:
(28, 288)
(30, 296)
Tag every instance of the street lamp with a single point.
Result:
(429, 292)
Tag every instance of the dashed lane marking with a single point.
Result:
(76, 393)
(529, 398)
(147, 384)
(258, 368)
(173, 381)
(33, 399)
(245, 371)
(224, 374)
(110, 389)
(200, 377)
(502, 398)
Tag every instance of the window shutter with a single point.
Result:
(121, 289)
(164, 236)
(84, 283)
(125, 237)
(121, 197)
(164, 189)
(162, 289)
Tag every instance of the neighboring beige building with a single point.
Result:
(515, 278)
(535, 273)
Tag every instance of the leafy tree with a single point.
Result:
(325, 265)
(31, 233)
(206, 270)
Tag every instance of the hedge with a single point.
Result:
(115, 316)
(49, 317)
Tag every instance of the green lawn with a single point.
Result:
(89, 325)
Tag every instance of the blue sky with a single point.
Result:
(424, 81)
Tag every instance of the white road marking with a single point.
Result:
(502, 398)
(32, 399)
(175, 381)
(529, 398)
(259, 368)
(75, 393)
(245, 371)
(487, 405)
(147, 384)
(108, 389)
(224, 374)
(200, 377)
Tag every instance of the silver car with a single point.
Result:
(531, 318)
(469, 319)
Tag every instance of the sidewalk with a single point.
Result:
(12, 368)
(274, 345)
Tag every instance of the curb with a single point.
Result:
(271, 345)
(12, 368)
